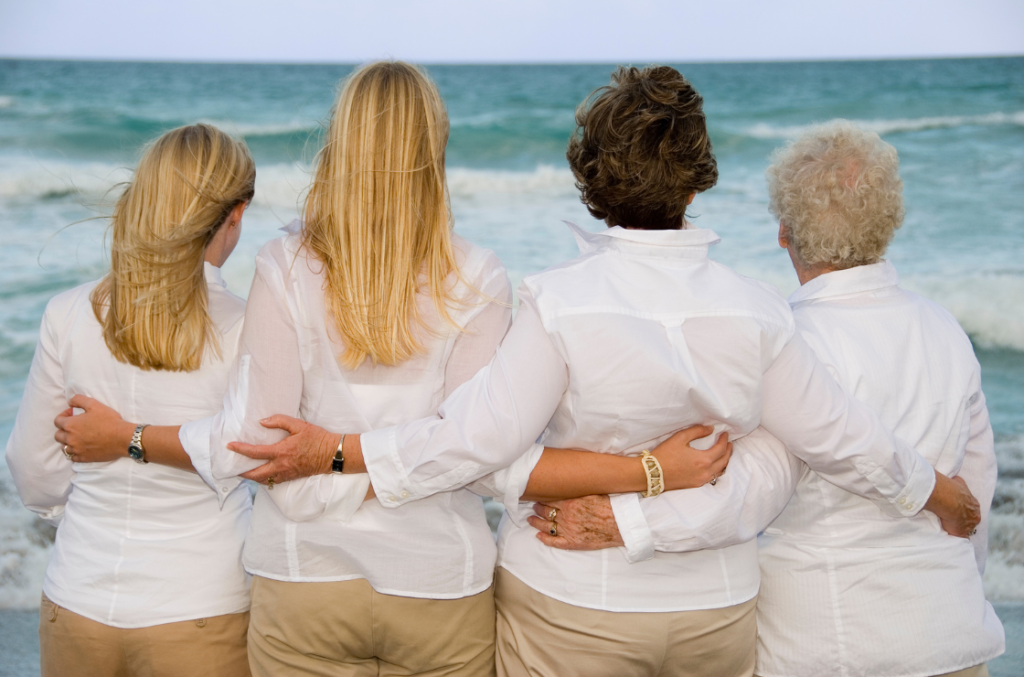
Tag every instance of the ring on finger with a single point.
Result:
(270, 483)
(552, 514)
(554, 529)
(68, 454)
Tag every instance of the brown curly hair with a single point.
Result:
(641, 149)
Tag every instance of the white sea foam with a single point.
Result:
(767, 131)
(990, 307)
(25, 545)
(6, 101)
(253, 130)
(545, 180)
(1004, 573)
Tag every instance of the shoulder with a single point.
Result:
(481, 269)
(66, 305)
(475, 262)
(942, 317)
(568, 275)
(762, 297)
(226, 309)
(278, 259)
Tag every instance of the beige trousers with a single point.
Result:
(976, 671)
(347, 629)
(542, 637)
(70, 644)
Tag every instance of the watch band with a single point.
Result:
(338, 464)
(135, 450)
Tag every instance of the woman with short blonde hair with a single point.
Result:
(145, 576)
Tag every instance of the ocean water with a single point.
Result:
(70, 131)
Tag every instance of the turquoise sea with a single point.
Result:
(69, 131)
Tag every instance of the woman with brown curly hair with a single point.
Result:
(641, 335)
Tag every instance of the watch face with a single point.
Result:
(135, 452)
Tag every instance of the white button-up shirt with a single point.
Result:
(137, 545)
(613, 351)
(319, 528)
(847, 588)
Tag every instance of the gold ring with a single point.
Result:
(270, 483)
(553, 514)
(714, 480)
(68, 454)
(554, 529)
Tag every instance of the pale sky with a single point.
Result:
(508, 31)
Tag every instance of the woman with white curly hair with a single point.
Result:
(846, 588)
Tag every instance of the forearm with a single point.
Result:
(568, 473)
(164, 448)
(759, 482)
(486, 425)
(159, 442)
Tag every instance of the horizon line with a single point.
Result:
(793, 60)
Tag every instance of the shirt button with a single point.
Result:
(392, 498)
(405, 494)
(224, 490)
(910, 506)
(903, 501)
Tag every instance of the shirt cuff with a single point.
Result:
(519, 478)
(390, 482)
(195, 438)
(918, 489)
(52, 516)
(633, 527)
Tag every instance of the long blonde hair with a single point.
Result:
(153, 303)
(377, 215)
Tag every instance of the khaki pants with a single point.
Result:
(542, 637)
(347, 629)
(976, 671)
(73, 645)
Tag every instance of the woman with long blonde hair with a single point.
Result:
(145, 576)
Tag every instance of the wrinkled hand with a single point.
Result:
(586, 523)
(685, 467)
(308, 450)
(964, 515)
(96, 436)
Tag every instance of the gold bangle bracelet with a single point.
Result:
(655, 478)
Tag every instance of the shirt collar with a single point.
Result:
(212, 274)
(856, 280)
(687, 242)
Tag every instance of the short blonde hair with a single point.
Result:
(837, 189)
(153, 303)
(377, 215)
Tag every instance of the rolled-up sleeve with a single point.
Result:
(839, 437)
(484, 426)
(42, 475)
(758, 484)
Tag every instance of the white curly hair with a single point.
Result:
(838, 191)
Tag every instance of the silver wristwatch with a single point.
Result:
(338, 463)
(135, 450)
